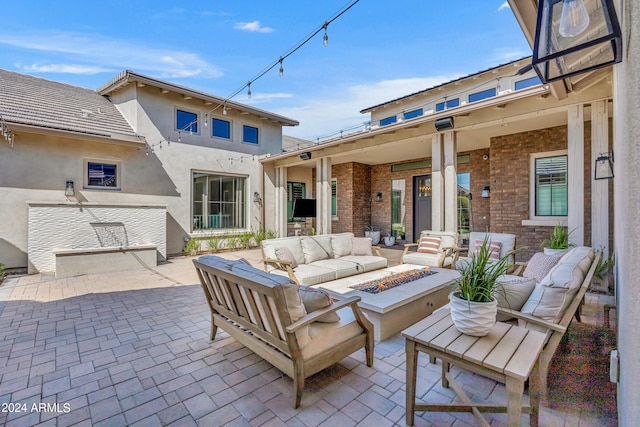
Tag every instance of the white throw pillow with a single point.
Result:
(341, 244)
(512, 293)
(361, 246)
(316, 248)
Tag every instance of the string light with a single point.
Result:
(224, 109)
(206, 120)
(281, 72)
(6, 131)
(325, 39)
(249, 90)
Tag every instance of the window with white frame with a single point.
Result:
(219, 201)
(105, 175)
(549, 185)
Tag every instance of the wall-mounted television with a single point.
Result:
(303, 208)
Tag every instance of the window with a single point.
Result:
(102, 175)
(249, 134)
(464, 202)
(550, 186)
(334, 197)
(186, 121)
(398, 208)
(218, 201)
(295, 190)
(482, 95)
(449, 104)
(388, 121)
(411, 114)
(221, 128)
(523, 84)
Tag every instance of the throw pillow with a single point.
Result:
(284, 254)
(341, 244)
(494, 248)
(361, 246)
(540, 265)
(316, 299)
(429, 244)
(512, 293)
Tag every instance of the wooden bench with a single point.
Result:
(257, 309)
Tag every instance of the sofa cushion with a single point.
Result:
(553, 295)
(342, 267)
(421, 259)
(283, 253)
(361, 246)
(512, 293)
(429, 244)
(366, 263)
(316, 247)
(326, 336)
(341, 244)
(539, 266)
(295, 307)
(316, 299)
(313, 274)
(293, 243)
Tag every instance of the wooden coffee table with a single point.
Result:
(394, 309)
(508, 354)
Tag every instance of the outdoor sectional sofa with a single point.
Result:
(313, 260)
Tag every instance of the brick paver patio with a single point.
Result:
(132, 348)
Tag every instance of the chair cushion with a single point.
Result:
(507, 241)
(315, 248)
(293, 243)
(539, 266)
(341, 244)
(512, 293)
(419, 258)
(283, 253)
(217, 262)
(429, 244)
(342, 267)
(361, 246)
(494, 249)
(316, 299)
(326, 336)
(366, 263)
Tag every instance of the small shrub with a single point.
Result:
(192, 247)
(2, 272)
(214, 243)
(245, 240)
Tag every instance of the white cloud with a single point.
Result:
(329, 114)
(503, 6)
(254, 27)
(64, 68)
(262, 98)
(96, 51)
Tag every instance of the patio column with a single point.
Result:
(599, 188)
(323, 196)
(437, 184)
(281, 201)
(450, 182)
(575, 171)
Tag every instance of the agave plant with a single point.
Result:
(478, 279)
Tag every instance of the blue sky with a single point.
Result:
(377, 51)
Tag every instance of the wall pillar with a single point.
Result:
(599, 188)
(323, 194)
(450, 182)
(575, 168)
(437, 183)
(281, 201)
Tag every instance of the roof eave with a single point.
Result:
(112, 138)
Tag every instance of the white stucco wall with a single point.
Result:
(626, 146)
(89, 226)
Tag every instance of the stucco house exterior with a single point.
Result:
(139, 163)
(424, 160)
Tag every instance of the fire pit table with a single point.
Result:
(397, 307)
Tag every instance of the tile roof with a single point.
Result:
(38, 102)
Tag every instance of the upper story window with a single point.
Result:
(523, 84)
(102, 175)
(448, 104)
(411, 114)
(221, 128)
(186, 121)
(550, 184)
(388, 120)
(482, 95)
(249, 134)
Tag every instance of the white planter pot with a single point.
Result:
(374, 235)
(473, 318)
(555, 252)
(389, 241)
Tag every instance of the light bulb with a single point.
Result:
(206, 120)
(281, 69)
(574, 18)
(249, 90)
(224, 109)
(325, 39)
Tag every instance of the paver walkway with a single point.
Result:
(132, 348)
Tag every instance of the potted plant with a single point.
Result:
(473, 305)
(374, 235)
(558, 242)
(389, 240)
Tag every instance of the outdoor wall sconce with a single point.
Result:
(69, 190)
(575, 36)
(444, 124)
(379, 197)
(305, 156)
(485, 192)
(604, 167)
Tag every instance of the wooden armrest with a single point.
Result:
(406, 248)
(519, 268)
(277, 262)
(315, 315)
(376, 249)
(408, 245)
(533, 319)
(281, 265)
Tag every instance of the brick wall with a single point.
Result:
(353, 190)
